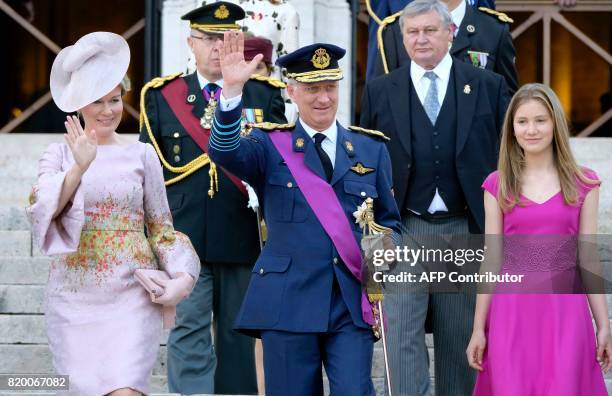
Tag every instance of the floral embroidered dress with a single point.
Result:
(103, 329)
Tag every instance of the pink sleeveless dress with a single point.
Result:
(540, 344)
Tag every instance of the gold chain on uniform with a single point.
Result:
(190, 167)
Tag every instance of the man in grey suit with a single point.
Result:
(443, 117)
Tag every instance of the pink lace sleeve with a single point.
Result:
(60, 234)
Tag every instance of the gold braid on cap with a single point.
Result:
(317, 75)
(184, 170)
(216, 28)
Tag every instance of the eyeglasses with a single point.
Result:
(207, 39)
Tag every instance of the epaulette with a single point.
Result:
(272, 126)
(369, 132)
(500, 15)
(272, 81)
(161, 81)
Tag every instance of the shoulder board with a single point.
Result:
(272, 81)
(158, 82)
(369, 132)
(390, 19)
(272, 126)
(500, 15)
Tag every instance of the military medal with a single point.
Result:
(478, 59)
(209, 113)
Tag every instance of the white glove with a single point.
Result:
(253, 200)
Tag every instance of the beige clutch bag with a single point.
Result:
(144, 277)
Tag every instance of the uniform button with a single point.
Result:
(176, 134)
(437, 177)
(176, 149)
(335, 260)
(177, 158)
(261, 271)
(363, 194)
(436, 147)
(437, 162)
(289, 184)
(435, 133)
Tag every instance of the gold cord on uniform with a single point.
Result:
(188, 168)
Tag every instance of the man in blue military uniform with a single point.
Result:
(305, 299)
(208, 204)
(481, 37)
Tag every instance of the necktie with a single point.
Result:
(327, 165)
(431, 104)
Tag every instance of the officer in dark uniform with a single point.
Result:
(209, 204)
(305, 299)
(482, 38)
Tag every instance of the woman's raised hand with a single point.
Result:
(83, 145)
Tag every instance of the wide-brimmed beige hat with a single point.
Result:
(86, 71)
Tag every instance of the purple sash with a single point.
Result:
(325, 204)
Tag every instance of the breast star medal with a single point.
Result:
(209, 113)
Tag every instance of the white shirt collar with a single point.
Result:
(442, 70)
(458, 13)
(331, 133)
(203, 81)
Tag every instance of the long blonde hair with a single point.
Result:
(512, 158)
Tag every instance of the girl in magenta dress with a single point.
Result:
(89, 208)
(539, 344)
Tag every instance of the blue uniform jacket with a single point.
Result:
(291, 283)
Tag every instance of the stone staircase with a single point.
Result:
(23, 271)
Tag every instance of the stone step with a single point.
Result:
(21, 299)
(36, 359)
(24, 270)
(13, 217)
(15, 243)
(28, 299)
(22, 329)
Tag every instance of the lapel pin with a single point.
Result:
(471, 28)
(467, 89)
(349, 146)
(191, 98)
(299, 143)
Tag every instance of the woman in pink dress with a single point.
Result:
(539, 344)
(89, 208)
